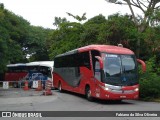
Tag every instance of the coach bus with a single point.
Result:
(98, 71)
(17, 73)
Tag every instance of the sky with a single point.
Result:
(43, 12)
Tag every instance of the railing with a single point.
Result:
(18, 84)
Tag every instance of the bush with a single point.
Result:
(150, 81)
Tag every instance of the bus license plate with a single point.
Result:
(122, 96)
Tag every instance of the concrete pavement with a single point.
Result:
(16, 99)
(13, 96)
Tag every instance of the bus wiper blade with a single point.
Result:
(124, 70)
(118, 84)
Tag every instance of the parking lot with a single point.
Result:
(19, 96)
(16, 99)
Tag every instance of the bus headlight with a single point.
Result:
(136, 89)
(104, 87)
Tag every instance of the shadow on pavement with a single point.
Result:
(107, 102)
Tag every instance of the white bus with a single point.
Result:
(29, 71)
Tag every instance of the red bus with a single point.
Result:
(98, 71)
(15, 72)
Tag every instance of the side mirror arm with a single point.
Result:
(143, 64)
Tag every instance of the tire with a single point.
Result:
(88, 94)
(60, 87)
(118, 101)
(15, 85)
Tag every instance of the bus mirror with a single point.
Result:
(142, 64)
(100, 61)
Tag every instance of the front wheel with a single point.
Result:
(118, 101)
(15, 85)
(88, 94)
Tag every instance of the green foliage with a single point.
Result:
(150, 81)
(99, 30)
(71, 35)
(65, 38)
(98, 20)
(92, 33)
(18, 38)
(58, 21)
(3, 55)
(12, 33)
(119, 29)
(36, 44)
(155, 18)
(14, 52)
(83, 17)
(150, 42)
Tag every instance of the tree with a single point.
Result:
(58, 21)
(149, 8)
(36, 44)
(71, 35)
(3, 55)
(18, 39)
(66, 38)
(77, 17)
(92, 30)
(3, 43)
(119, 29)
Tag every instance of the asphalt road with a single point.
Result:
(19, 100)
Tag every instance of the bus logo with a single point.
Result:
(6, 114)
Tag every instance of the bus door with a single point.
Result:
(97, 74)
(98, 77)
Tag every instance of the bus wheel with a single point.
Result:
(60, 87)
(88, 94)
(15, 85)
(118, 101)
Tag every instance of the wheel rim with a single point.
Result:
(88, 93)
(60, 88)
(14, 85)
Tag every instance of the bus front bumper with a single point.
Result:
(121, 95)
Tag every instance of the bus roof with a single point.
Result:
(40, 63)
(16, 65)
(101, 48)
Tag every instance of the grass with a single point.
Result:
(156, 100)
(148, 99)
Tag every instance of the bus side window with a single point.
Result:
(84, 60)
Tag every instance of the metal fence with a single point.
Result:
(21, 84)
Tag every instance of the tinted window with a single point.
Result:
(17, 69)
(74, 60)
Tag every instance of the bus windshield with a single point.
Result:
(120, 70)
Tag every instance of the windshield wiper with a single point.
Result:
(123, 69)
